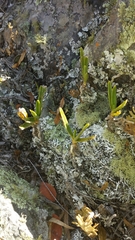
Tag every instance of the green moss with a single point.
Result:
(85, 115)
(123, 164)
(127, 18)
(116, 141)
(124, 167)
(18, 190)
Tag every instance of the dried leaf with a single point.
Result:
(58, 116)
(104, 186)
(54, 220)
(31, 96)
(66, 220)
(75, 93)
(128, 224)
(22, 56)
(55, 230)
(101, 233)
(48, 191)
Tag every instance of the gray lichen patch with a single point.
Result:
(18, 190)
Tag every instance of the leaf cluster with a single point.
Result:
(75, 137)
(30, 121)
(112, 98)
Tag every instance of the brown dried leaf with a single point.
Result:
(104, 186)
(57, 221)
(128, 224)
(58, 116)
(62, 102)
(31, 96)
(101, 233)
(22, 56)
(75, 93)
(66, 231)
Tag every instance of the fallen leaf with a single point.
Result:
(128, 224)
(21, 58)
(54, 220)
(101, 233)
(31, 96)
(104, 186)
(75, 93)
(55, 230)
(58, 116)
(48, 191)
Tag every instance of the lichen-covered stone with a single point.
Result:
(27, 201)
(18, 190)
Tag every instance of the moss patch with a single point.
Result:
(124, 167)
(85, 115)
(123, 164)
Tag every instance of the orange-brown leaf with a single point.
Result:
(48, 191)
(55, 229)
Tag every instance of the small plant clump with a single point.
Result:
(75, 137)
(31, 121)
(112, 98)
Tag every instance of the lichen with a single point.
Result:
(20, 191)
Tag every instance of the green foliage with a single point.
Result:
(112, 98)
(75, 137)
(31, 121)
(84, 66)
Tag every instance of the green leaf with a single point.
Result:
(33, 113)
(84, 66)
(85, 139)
(25, 125)
(113, 98)
(41, 92)
(74, 133)
(38, 108)
(65, 122)
(109, 93)
(81, 132)
(32, 120)
(122, 105)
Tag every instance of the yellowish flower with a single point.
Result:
(22, 113)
